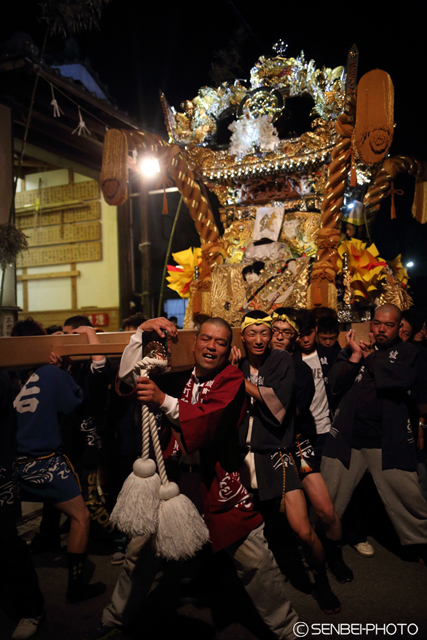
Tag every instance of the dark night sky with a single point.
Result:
(145, 47)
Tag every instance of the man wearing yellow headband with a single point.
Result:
(266, 438)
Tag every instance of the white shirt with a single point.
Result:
(319, 405)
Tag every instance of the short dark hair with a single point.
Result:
(328, 324)
(27, 327)
(256, 314)
(134, 321)
(415, 318)
(320, 312)
(218, 322)
(53, 328)
(78, 321)
(306, 321)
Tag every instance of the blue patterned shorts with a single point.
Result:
(50, 480)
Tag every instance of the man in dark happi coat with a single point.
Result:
(266, 438)
(372, 427)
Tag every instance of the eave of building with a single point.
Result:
(54, 135)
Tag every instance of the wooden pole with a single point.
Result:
(145, 249)
(168, 252)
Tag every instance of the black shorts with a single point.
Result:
(305, 457)
(287, 464)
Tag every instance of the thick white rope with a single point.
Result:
(145, 420)
(158, 451)
(143, 368)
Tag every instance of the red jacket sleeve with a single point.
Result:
(221, 407)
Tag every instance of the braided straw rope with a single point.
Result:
(329, 234)
(114, 171)
(170, 159)
(374, 126)
(380, 189)
(196, 202)
(337, 177)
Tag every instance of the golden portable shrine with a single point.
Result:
(296, 209)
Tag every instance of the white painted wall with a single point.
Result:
(99, 281)
(98, 284)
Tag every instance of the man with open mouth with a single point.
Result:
(205, 420)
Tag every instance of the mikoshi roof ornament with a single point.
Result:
(342, 158)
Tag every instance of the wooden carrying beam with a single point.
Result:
(34, 351)
(361, 332)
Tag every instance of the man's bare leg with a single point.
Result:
(78, 513)
(317, 491)
(76, 510)
(297, 515)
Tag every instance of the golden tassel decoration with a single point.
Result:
(305, 467)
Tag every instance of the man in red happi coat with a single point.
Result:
(205, 421)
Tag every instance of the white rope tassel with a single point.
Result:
(57, 111)
(81, 127)
(137, 507)
(149, 504)
(181, 531)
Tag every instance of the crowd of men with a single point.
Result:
(275, 437)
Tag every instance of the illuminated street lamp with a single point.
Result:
(149, 166)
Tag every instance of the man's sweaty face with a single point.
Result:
(385, 327)
(283, 335)
(256, 338)
(405, 331)
(307, 342)
(211, 349)
(327, 338)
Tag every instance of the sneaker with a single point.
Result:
(118, 557)
(339, 569)
(100, 632)
(365, 549)
(28, 627)
(322, 592)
